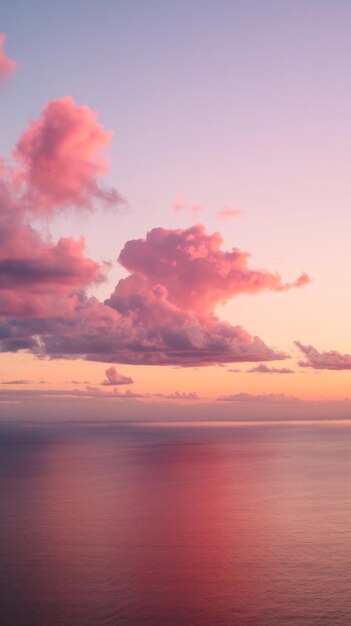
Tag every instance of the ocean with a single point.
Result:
(104, 524)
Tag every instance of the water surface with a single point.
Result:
(131, 526)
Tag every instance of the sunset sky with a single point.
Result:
(175, 209)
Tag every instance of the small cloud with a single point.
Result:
(179, 204)
(115, 378)
(234, 370)
(264, 369)
(177, 395)
(228, 213)
(331, 360)
(195, 209)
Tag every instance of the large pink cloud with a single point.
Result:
(60, 163)
(61, 157)
(7, 66)
(196, 274)
(332, 360)
(148, 319)
(150, 331)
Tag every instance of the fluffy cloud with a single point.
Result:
(7, 66)
(264, 369)
(161, 314)
(39, 277)
(61, 157)
(332, 360)
(60, 161)
(148, 332)
(193, 271)
(115, 378)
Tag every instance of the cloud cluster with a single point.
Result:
(332, 360)
(162, 313)
(7, 66)
(178, 395)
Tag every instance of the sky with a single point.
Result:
(175, 209)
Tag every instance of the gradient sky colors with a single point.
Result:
(175, 209)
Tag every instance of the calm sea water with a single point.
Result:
(115, 526)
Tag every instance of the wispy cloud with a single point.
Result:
(227, 213)
(180, 205)
(331, 360)
(19, 381)
(262, 368)
(7, 66)
(265, 398)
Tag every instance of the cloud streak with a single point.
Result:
(332, 360)
(265, 369)
(268, 398)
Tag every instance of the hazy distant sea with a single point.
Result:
(175, 526)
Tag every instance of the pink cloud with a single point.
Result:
(196, 209)
(61, 157)
(161, 314)
(142, 330)
(179, 205)
(332, 360)
(227, 213)
(196, 274)
(115, 378)
(39, 277)
(264, 369)
(7, 66)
